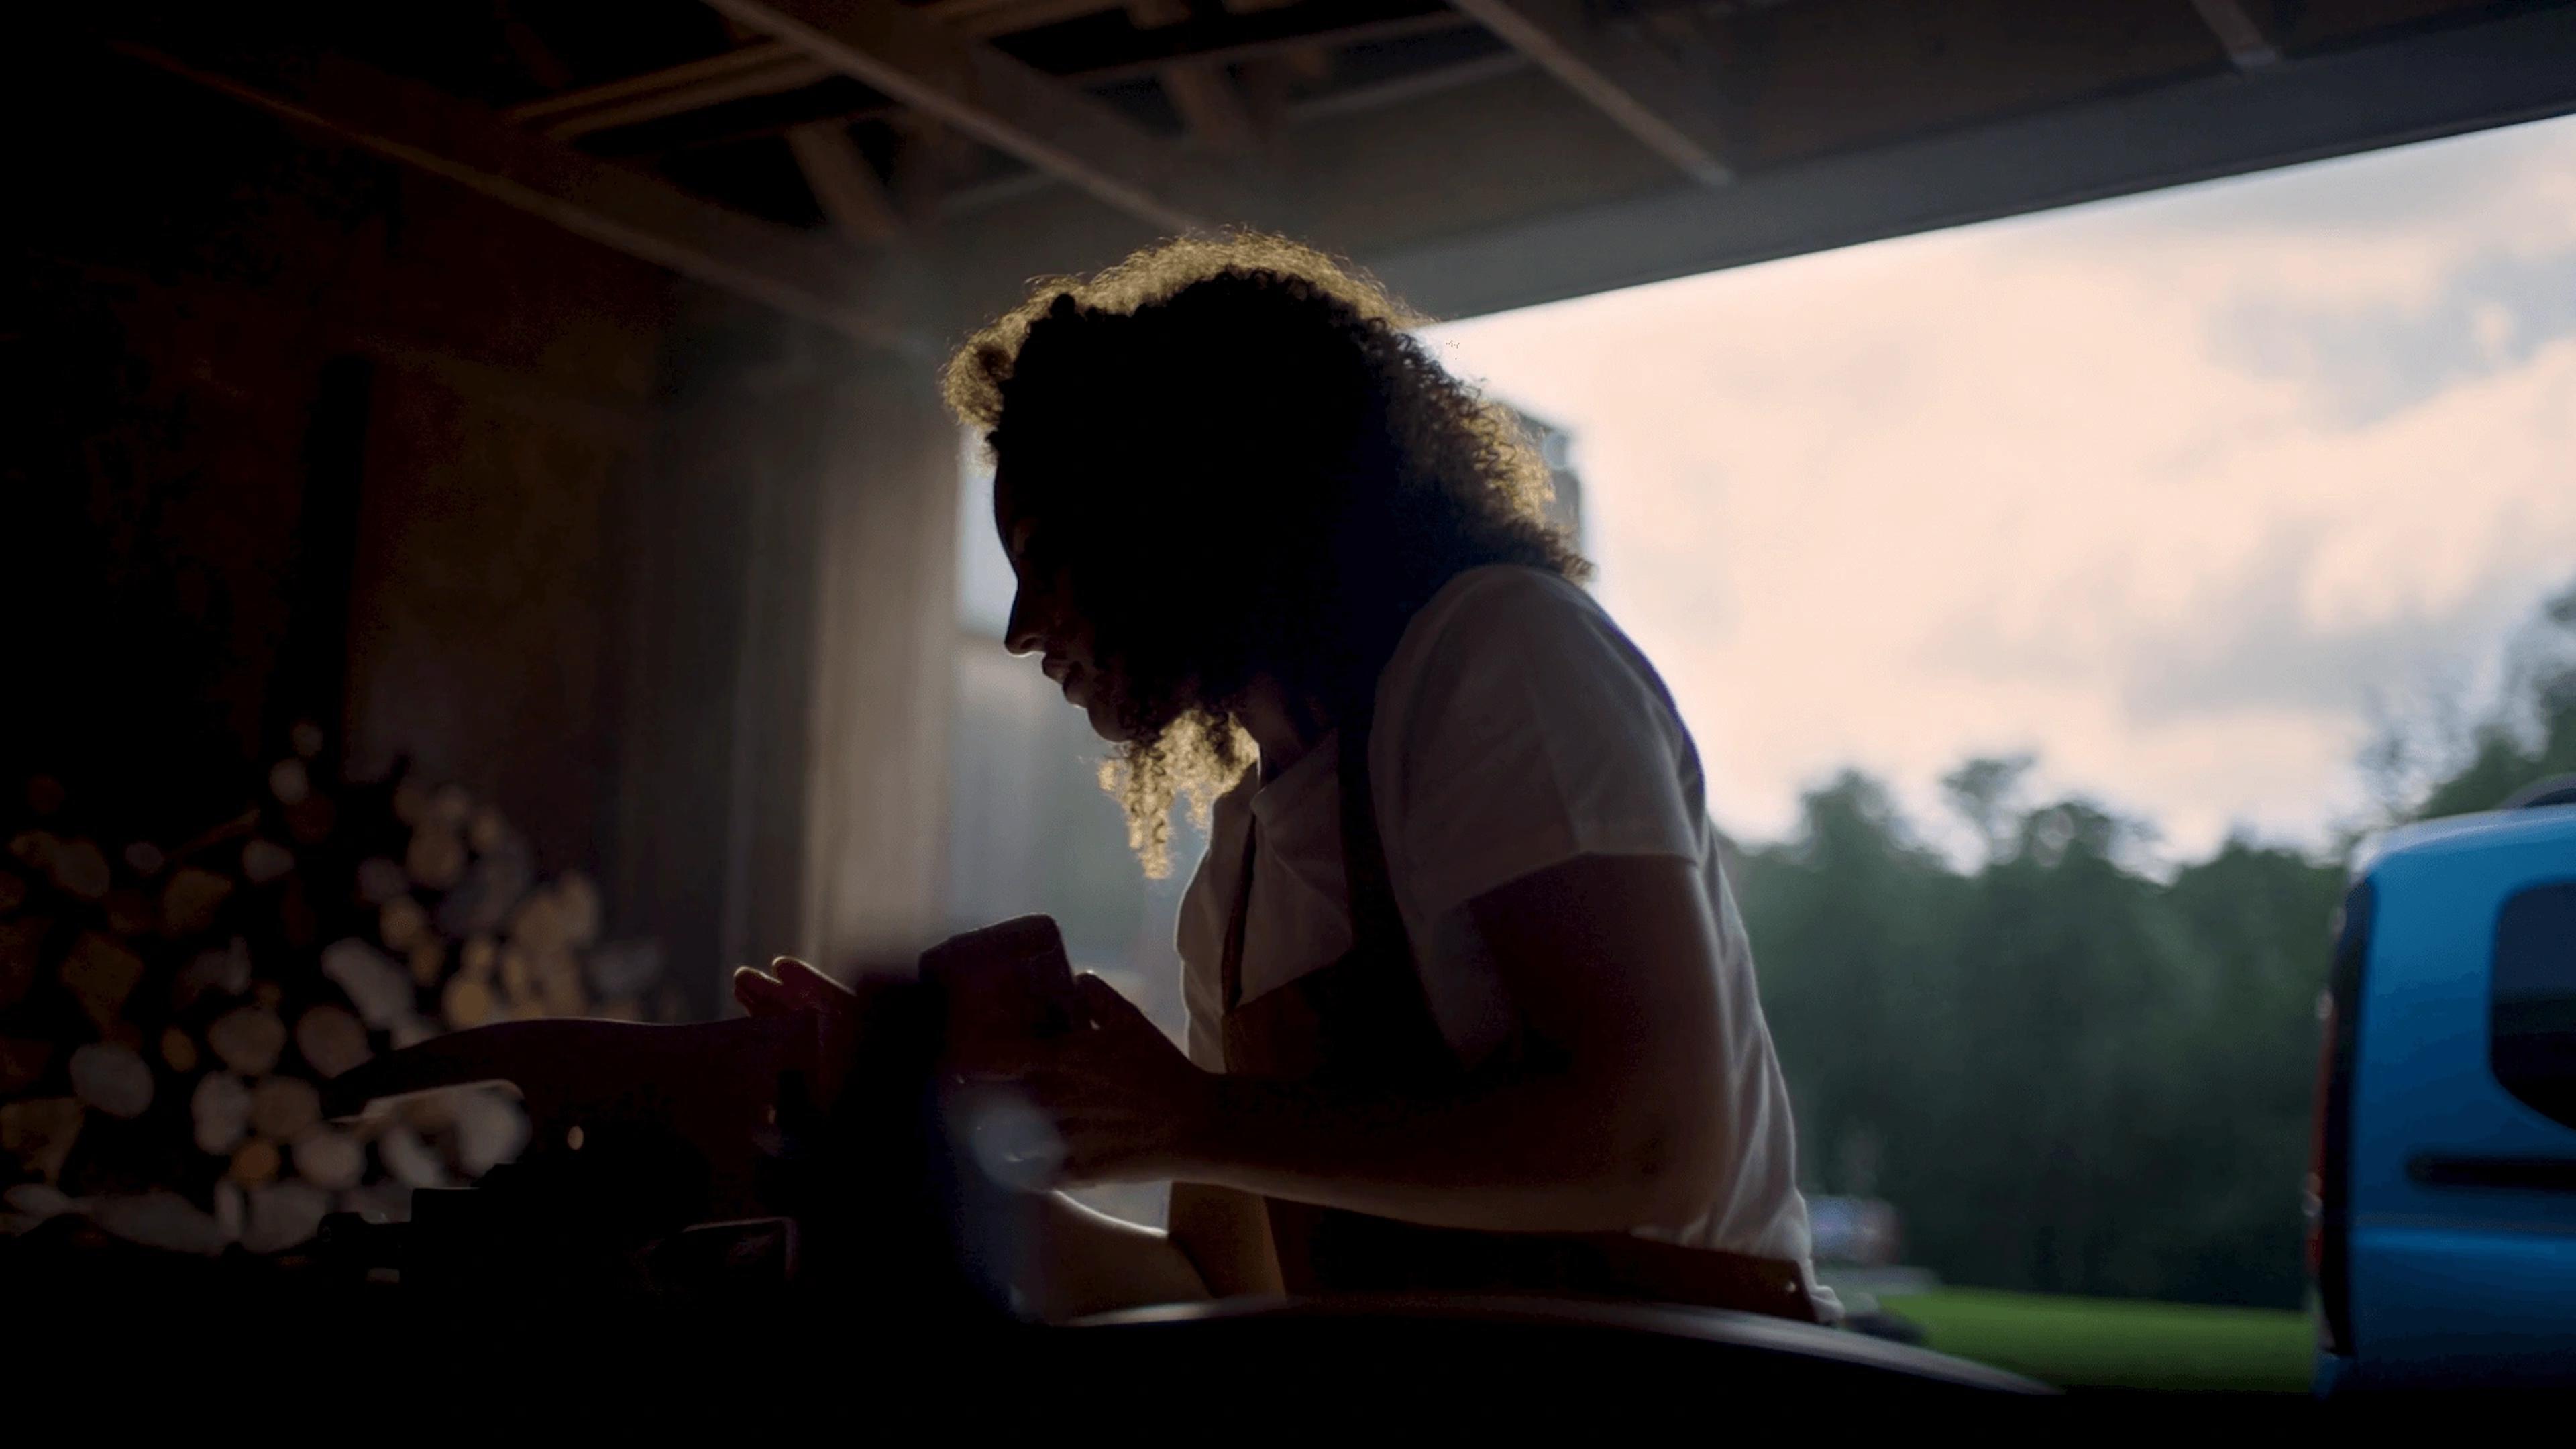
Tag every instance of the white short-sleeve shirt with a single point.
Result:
(1516, 728)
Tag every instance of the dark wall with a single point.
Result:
(292, 433)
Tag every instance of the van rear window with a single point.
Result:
(2532, 1020)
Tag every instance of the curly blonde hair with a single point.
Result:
(1248, 466)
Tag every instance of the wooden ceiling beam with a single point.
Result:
(1211, 105)
(789, 72)
(760, 55)
(848, 189)
(973, 88)
(767, 67)
(1635, 84)
(1327, 39)
(429, 130)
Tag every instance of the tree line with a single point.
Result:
(2070, 1072)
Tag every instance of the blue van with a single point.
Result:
(2442, 1191)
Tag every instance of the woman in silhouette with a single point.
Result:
(1470, 1005)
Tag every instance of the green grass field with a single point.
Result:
(2113, 1343)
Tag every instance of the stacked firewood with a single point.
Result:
(167, 1014)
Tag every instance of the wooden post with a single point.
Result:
(885, 624)
(780, 777)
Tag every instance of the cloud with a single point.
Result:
(2159, 488)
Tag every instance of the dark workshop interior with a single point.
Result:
(482, 529)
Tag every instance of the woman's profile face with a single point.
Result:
(1045, 622)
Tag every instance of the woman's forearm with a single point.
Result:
(1088, 1262)
(1549, 1154)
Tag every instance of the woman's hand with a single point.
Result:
(1127, 1104)
(791, 986)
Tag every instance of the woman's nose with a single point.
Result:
(1021, 633)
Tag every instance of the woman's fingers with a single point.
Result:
(807, 986)
(760, 994)
(1104, 1005)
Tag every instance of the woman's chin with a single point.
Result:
(1104, 722)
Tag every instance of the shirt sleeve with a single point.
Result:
(1527, 731)
(1206, 904)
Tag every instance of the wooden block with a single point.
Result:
(248, 1039)
(80, 868)
(381, 881)
(486, 831)
(22, 1061)
(101, 973)
(255, 1162)
(428, 961)
(219, 1110)
(436, 858)
(162, 1220)
(331, 1039)
(190, 900)
(490, 1129)
(467, 1001)
(559, 992)
(40, 1133)
(329, 1158)
(537, 927)
(483, 899)
(144, 858)
(518, 975)
(179, 1050)
(380, 990)
(283, 1216)
(113, 1079)
(20, 942)
(480, 956)
(39, 1201)
(265, 860)
(216, 973)
(578, 900)
(401, 924)
(283, 1107)
(306, 738)
(408, 1160)
(34, 849)
(288, 781)
(430, 1112)
(450, 806)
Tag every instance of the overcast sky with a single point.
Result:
(2157, 488)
